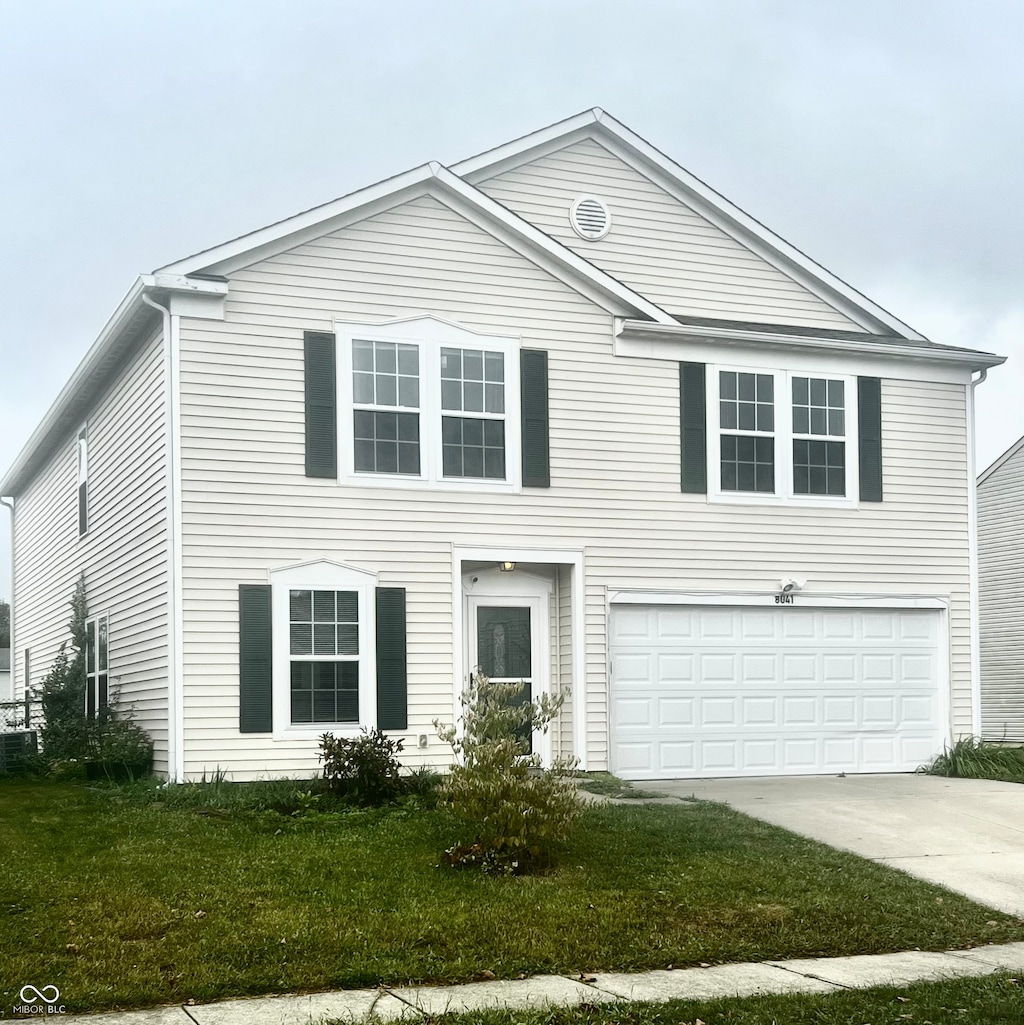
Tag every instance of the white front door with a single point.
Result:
(507, 637)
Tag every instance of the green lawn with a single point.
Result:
(124, 902)
(994, 1000)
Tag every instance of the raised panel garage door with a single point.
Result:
(728, 691)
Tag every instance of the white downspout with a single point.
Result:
(175, 658)
(9, 502)
(972, 548)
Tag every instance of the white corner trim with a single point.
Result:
(173, 526)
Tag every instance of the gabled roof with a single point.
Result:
(1004, 458)
(428, 179)
(600, 126)
(205, 271)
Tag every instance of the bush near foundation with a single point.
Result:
(508, 813)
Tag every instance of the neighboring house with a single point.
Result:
(6, 690)
(1001, 593)
(560, 411)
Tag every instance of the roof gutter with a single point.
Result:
(640, 330)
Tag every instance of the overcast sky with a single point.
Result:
(885, 139)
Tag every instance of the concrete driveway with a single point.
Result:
(966, 834)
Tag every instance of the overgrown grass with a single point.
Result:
(973, 759)
(122, 900)
(993, 1000)
(607, 785)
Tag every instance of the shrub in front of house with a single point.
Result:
(363, 770)
(508, 813)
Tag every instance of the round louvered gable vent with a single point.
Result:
(590, 218)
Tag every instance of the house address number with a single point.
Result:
(785, 599)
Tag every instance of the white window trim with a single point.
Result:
(333, 576)
(92, 679)
(783, 434)
(429, 335)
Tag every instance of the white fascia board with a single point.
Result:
(294, 230)
(1000, 460)
(692, 342)
(694, 193)
(182, 284)
(582, 271)
(749, 231)
(429, 179)
(490, 162)
(127, 308)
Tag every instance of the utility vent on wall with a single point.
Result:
(590, 218)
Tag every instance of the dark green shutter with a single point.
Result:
(693, 446)
(533, 368)
(392, 672)
(255, 662)
(321, 405)
(869, 426)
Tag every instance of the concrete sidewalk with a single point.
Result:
(821, 975)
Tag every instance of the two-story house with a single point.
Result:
(560, 411)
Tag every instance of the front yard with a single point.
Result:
(123, 902)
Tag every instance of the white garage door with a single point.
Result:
(724, 691)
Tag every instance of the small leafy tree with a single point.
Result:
(509, 812)
(64, 733)
(5, 624)
(67, 734)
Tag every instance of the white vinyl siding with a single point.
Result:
(123, 556)
(248, 508)
(657, 245)
(1001, 605)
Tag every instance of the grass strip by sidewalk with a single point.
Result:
(993, 1000)
(127, 904)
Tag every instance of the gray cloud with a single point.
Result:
(883, 139)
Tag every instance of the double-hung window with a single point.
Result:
(426, 403)
(386, 404)
(324, 662)
(323, 645)
(96, 663)
(781, 436)
(819, 436)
